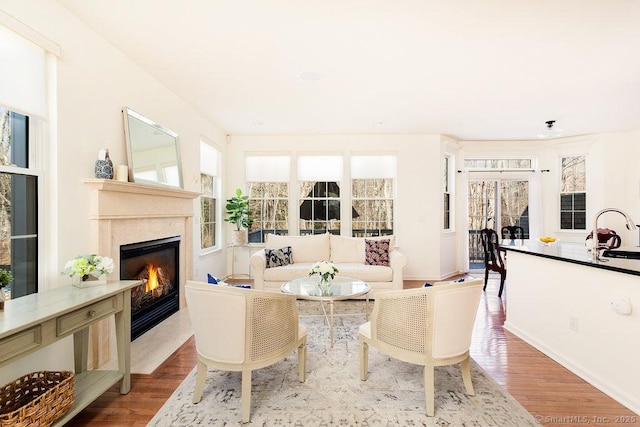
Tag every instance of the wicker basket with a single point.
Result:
(36, 399)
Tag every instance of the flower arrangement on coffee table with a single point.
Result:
(326, 270)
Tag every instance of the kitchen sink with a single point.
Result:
(617, 253)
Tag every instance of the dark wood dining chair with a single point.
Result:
(512, 232)
(493, 260)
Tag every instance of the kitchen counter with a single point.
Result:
(576, 253)
(585, 315)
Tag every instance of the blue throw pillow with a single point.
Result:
(212, 280)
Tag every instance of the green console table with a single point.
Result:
(32, 322)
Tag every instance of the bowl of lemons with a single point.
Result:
(547, 240)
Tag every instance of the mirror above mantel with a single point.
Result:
(153, 151)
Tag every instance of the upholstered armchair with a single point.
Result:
(242, 330)
(429, 326)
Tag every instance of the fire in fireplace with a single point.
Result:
(156, 262)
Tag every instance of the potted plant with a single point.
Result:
(6, 278)
(238, 214)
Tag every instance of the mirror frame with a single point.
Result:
(128, 114)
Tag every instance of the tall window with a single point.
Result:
(18, 205)
(372, 195)
(573, 195)
(446, 186)
(268, 181)
(319, 194)
(209, 204)
(22, 111)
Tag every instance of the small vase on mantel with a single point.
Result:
(104, 166)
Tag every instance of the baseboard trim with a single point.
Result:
(586, 374)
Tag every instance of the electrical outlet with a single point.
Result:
(573, 323)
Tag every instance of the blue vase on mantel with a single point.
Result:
(104, 166)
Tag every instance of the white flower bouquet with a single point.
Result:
(325, 269)
(84, 266)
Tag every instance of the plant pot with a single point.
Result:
(239, 238)
(5, 295)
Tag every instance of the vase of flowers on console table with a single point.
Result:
(327, 271)
(6, 278)
(88, 270)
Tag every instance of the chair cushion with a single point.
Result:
(377, 252)
(365, 329)
(278, 257)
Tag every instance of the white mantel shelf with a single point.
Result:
(114, 199)
(130, 187)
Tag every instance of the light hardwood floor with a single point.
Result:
(547, 390)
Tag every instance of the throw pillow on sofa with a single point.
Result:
(377, 252)
(278, 257)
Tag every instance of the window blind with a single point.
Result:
(369, 167)
(209, 159)
(319, 168)
(267, 168)
(22, 80)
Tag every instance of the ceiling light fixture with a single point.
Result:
(550, 131)
(310, 76)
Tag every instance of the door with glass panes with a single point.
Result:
(495, 204)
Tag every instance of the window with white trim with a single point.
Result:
(446, 190)
(573, 193)
(372, 195)
(319, 179)
(267, 178)
(209, 203)
(23, 114)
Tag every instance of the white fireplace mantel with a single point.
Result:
(122, 213)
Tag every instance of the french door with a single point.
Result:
(495, 203)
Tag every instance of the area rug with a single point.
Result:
(334, 395)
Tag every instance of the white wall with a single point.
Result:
(543, 295)
(94, 83)
(419, 184)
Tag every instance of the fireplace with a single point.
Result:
(157, 263)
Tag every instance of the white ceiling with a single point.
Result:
(474, 70)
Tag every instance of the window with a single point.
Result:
(209, 205)
(446, 184)
(319, 207)
(319, 194)
(372, 195)
(268, 181)
(573, 196)
(269, 207)
(23, 113)
(18, 205)
(498, 164)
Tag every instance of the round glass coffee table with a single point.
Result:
(341, 288)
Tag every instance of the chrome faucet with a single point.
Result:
(595, 250)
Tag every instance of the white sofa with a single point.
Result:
(348, 253)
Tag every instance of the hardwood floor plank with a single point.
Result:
(541, 385)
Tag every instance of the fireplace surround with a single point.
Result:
(123, 213)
